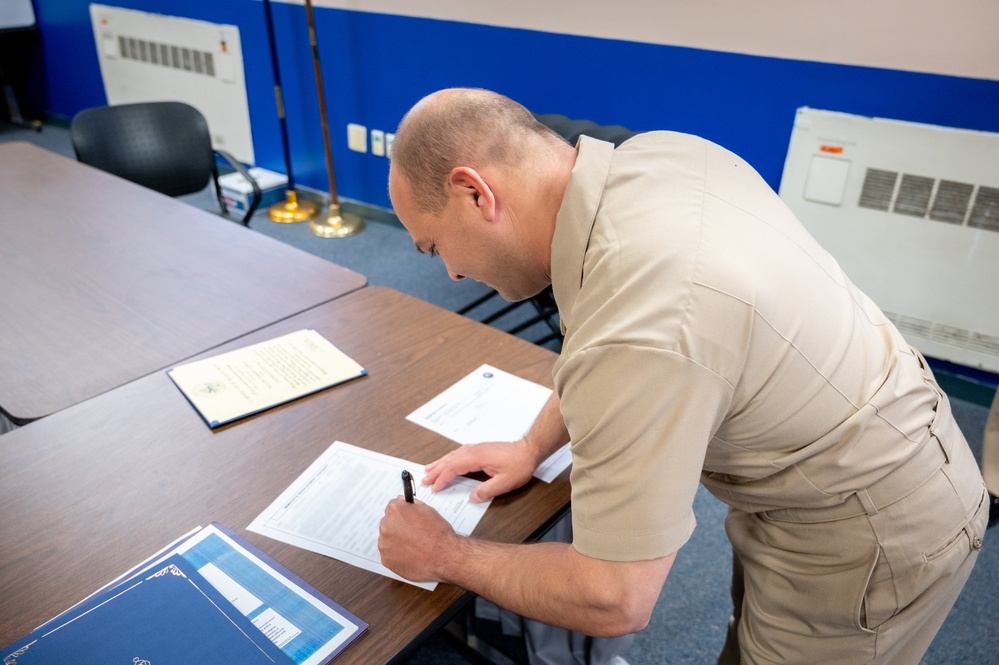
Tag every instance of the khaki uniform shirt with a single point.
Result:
(708, 337)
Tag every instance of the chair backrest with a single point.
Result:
(571, 129)
(161, 145)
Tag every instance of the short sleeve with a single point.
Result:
(640, 420)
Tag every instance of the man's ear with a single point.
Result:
(469, 187)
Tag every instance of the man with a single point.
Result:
(707, 338)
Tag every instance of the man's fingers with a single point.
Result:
(490, 488)
(444, 478)
(455, 463)
(439, 472)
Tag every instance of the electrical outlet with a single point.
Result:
(377, 142)
(357, 137)
(389, 141)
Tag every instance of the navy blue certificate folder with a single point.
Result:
(168, 614)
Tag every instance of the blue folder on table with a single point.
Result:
(170, 614)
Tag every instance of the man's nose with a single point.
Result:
(455, 276)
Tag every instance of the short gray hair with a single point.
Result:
(460, 127)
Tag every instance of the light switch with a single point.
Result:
(357, 137)
(378, 142)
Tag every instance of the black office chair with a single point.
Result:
(572, 129)
(546, 311)
(164, 146)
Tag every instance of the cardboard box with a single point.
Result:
(237, 192)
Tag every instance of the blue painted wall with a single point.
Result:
(375, 66)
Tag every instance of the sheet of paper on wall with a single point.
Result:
(490, 405)
(335, 506)
(245, 381)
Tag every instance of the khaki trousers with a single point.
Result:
(873, 587)
(990, 448)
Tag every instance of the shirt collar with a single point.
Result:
(575, 221)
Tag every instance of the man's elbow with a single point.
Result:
(628, 600)
(638, 614)
(627, 613)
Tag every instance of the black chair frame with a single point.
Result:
(165, 146)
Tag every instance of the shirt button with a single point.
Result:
(976, 543)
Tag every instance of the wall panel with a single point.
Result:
(376, 63)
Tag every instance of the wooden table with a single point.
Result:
(104, 281)
(93, 490)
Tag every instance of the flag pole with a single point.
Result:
(335, 224)
(291, 210)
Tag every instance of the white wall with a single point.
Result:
(953, 37)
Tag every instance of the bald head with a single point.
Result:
(464, 127)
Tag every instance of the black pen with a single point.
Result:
(408, 486)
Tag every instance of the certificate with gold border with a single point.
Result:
(238, 383)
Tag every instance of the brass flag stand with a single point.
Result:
(335, 224)
(291, 210)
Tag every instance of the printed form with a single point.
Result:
(490, 405)
(334, 508)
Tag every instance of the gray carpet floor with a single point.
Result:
(688, 625)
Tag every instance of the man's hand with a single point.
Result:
(550, 582)
(412, 538)
(509, 465)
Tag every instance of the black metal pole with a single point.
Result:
(279, 94)
(310, 17)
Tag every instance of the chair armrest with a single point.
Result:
(242, 170)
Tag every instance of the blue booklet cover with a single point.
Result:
(308, 627)
(169, 614)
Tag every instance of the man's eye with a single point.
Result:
(433, 250)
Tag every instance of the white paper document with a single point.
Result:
(238, 383)
(335, 506)
(490, 405)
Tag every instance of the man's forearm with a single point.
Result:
(555, 584)
(552, 582)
